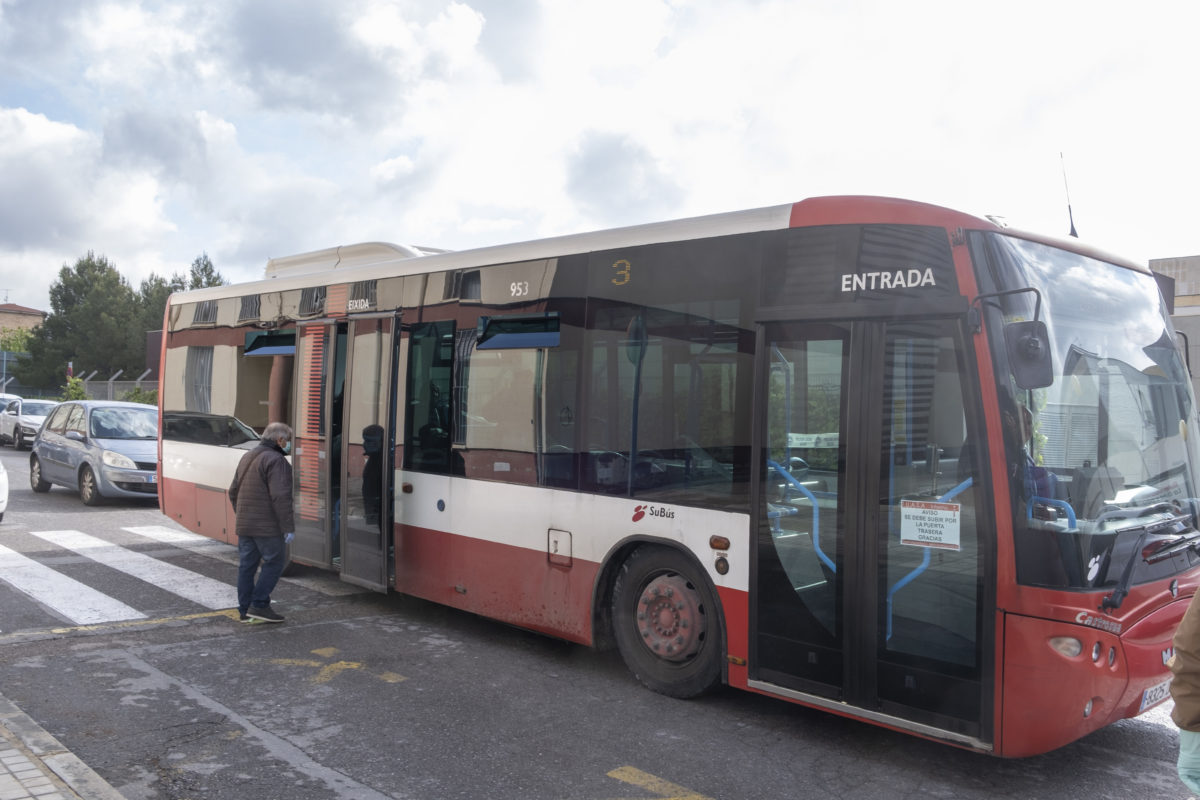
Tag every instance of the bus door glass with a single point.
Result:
(318, 380)
(869, 572)
(801, 569)
(929, 621)
(363, 528)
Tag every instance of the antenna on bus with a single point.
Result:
(1067, 188)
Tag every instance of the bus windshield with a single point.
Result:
(1101, 462)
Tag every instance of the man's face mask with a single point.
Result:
(287, 447)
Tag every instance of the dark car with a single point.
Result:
(101, 448)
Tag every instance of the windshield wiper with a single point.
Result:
(1158, 552)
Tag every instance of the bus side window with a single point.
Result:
(427, 425)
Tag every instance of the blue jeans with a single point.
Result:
(269, 550)
(1189, 759)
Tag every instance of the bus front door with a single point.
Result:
(870, 581)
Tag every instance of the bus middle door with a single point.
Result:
(320, 367)
(363, 525)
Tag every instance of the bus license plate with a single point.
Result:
(1155, 695)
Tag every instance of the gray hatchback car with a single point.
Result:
(101, 448)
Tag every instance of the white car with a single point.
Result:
(3, 491)
(20, 420)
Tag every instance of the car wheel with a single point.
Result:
(35, 476)
(19, 441)
(88, 492)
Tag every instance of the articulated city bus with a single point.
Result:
(863, 454)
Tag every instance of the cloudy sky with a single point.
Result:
(151, 131)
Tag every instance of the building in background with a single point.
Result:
(15, 317)
(1185, 316)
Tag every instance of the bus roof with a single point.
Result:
(371, 260)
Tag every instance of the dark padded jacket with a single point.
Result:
(261, 492)
(1185, 664)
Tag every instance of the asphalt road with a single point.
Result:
(360, 696)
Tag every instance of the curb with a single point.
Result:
(60, 761)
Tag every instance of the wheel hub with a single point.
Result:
(670, 619)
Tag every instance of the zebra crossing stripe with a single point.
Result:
(76, 601)
(184, 539)
(326, 583)
(189, 585)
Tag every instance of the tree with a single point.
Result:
(73, 390)
(152, 299)
(15, 340)
(154, 290)
(203, 274)
(98, 322)
(93, 322)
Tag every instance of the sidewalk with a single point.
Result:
(34, 766)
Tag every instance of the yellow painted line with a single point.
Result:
(231, 613)
(327, 671)
(650, 783)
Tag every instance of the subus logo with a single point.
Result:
(639, 512)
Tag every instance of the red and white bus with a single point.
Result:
(863, 454)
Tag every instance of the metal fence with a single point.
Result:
(96, 388)
(113, 389)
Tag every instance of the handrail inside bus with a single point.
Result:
(812, 498)
(924, 565)
(1062, 505)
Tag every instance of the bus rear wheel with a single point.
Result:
(666, 622)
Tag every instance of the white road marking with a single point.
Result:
(76, 601)
(326, 583)
(189, 585)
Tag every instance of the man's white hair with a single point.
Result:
(275, 430)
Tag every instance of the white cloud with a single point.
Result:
(151, 131)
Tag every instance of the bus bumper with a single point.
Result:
(1051, 697)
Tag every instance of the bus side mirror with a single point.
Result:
(1028, 345)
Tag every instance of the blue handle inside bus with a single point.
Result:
(924, 565)
(1062, 505)
(812, 498)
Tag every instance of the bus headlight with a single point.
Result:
(1068, 646)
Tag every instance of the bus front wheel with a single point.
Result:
(666, 622)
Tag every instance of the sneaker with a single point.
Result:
(266, 614)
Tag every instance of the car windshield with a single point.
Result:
(35, 409)
(124, 423)
(1103, 453)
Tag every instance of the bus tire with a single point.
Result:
(666, 622)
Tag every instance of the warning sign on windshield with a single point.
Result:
(926, 523)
